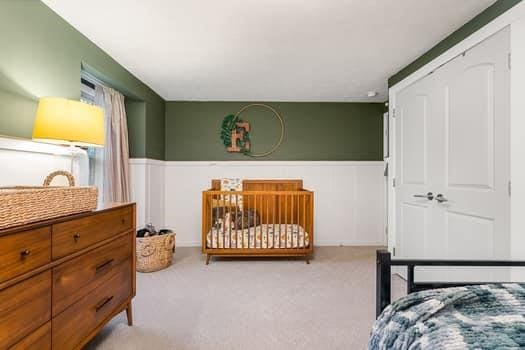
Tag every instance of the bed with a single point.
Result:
(448, 315)
(257, 218)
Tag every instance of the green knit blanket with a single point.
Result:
(474, 317)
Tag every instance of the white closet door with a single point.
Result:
(415, 182)
(452, 139)
(476, 151)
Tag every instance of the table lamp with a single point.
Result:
(69, 122)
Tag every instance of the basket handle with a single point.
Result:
(169, 243)
(50, 177)
(147, 250)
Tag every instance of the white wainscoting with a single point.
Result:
(147, 184)
(349, 196)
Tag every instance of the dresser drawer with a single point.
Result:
(23, 252)
(74, 235)
(24, 307)
(75, 278)
(38, 340)
(75, 324)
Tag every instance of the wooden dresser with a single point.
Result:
(62, 280)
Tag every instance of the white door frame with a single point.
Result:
(512, 15)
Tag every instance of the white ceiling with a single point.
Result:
(266, 50)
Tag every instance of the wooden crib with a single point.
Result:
(268, 218)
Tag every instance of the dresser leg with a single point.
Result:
(129, 314)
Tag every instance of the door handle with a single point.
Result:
(440, 198)
(428, 196)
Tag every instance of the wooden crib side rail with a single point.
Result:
(241, 193)
(272, 208)
(273, 184)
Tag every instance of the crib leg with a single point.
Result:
(208, 256)
(307, 258)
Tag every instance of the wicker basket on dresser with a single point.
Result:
(62, 280)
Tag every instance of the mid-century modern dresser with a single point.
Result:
(62, 280)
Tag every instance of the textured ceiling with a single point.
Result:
(266, 50)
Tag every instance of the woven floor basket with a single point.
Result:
(23, 205)
(155, 252)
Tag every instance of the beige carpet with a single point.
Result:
(268, 304)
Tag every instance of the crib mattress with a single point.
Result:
(265, 236)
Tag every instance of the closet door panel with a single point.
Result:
(414, 218)
(413, 140)
(476, 143)
(470, 128)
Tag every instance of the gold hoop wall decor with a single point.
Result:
(235, 132)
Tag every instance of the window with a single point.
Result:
(87, 90)
(95, 155)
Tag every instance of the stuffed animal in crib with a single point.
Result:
(245, 219)
(235, 218)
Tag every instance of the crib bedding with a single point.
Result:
(262, 236)
(488, 316)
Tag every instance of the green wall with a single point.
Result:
(314, 131)
(463, 32)
(42, 55)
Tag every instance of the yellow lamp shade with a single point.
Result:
(63, 121)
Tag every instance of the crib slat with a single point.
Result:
(214, 224)
(261, 200)
(255, 233)
(244, 199)
(267, 227)
(238, 208)
(296, 201)
(304, 221)
(223, 221)
(249, 228)
(298, 223)
(291, 221)
(286, 221)
(230, 220)
(274, 201)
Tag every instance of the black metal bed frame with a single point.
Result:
(384, 272)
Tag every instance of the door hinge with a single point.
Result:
(393, 112)
(394, 251)
(510, 188)
(509, 60)
(394, 182)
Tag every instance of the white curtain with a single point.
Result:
(114, 184)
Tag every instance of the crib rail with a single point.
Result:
(262, 223)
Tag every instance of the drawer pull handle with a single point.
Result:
(102, 266)
(102, 303)
(76, 237)
(123, 221)
(25, 253)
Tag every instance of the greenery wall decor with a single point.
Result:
(235, 132)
